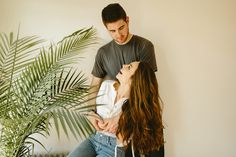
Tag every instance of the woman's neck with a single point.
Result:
(123, 91)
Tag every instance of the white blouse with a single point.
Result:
(106, 107)
(105, 100)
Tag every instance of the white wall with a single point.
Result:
(195, 42)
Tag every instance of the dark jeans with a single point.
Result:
(100, 145)
(128, 153)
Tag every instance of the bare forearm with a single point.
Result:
(92, 96)
(94, 87)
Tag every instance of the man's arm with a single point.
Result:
(93, 117)
(95, 85)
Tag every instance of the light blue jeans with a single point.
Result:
(98, 145)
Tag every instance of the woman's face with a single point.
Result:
(127, 71)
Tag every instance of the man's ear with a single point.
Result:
(127, 19)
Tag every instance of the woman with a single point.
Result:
(138, 91)
(140, 125)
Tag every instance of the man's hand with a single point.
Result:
(110, 125)
(95, 119)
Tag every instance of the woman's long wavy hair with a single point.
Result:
(141, 118)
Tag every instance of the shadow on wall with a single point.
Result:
(170, 100)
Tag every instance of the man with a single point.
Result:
(123, 49)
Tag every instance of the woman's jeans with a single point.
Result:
(98, 145)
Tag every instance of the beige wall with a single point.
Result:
(195, 42)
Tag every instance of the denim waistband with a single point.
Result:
(105, 139)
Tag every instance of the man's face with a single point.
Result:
(119, 30)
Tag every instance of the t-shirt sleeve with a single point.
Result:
(148, 55)
(98, 67)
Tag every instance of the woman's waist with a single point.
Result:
(106, 134)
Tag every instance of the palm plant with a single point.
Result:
(39, 84)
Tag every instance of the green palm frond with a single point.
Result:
(16, 54)
(39, 84)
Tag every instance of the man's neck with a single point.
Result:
(127, 40)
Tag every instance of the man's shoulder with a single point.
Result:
(140, 39)
(106, 46)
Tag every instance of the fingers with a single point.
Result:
(107, 125)
(102, 124)
(97, 127)
(114, 129)
(111, 127)
(95, 119)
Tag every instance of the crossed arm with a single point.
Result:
(107, 125)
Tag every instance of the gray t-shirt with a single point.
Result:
(112, 56)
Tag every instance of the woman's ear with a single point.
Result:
(116, 85)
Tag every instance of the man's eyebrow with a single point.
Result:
(130, 64)
(121, 26)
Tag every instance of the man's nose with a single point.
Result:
(118, 34)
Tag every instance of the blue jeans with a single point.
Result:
(98, 145)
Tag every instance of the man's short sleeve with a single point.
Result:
(98, 67)
(148, 55)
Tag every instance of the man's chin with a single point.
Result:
(120, 42)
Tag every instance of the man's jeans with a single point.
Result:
(98, 145)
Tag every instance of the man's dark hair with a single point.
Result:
(112, 13)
